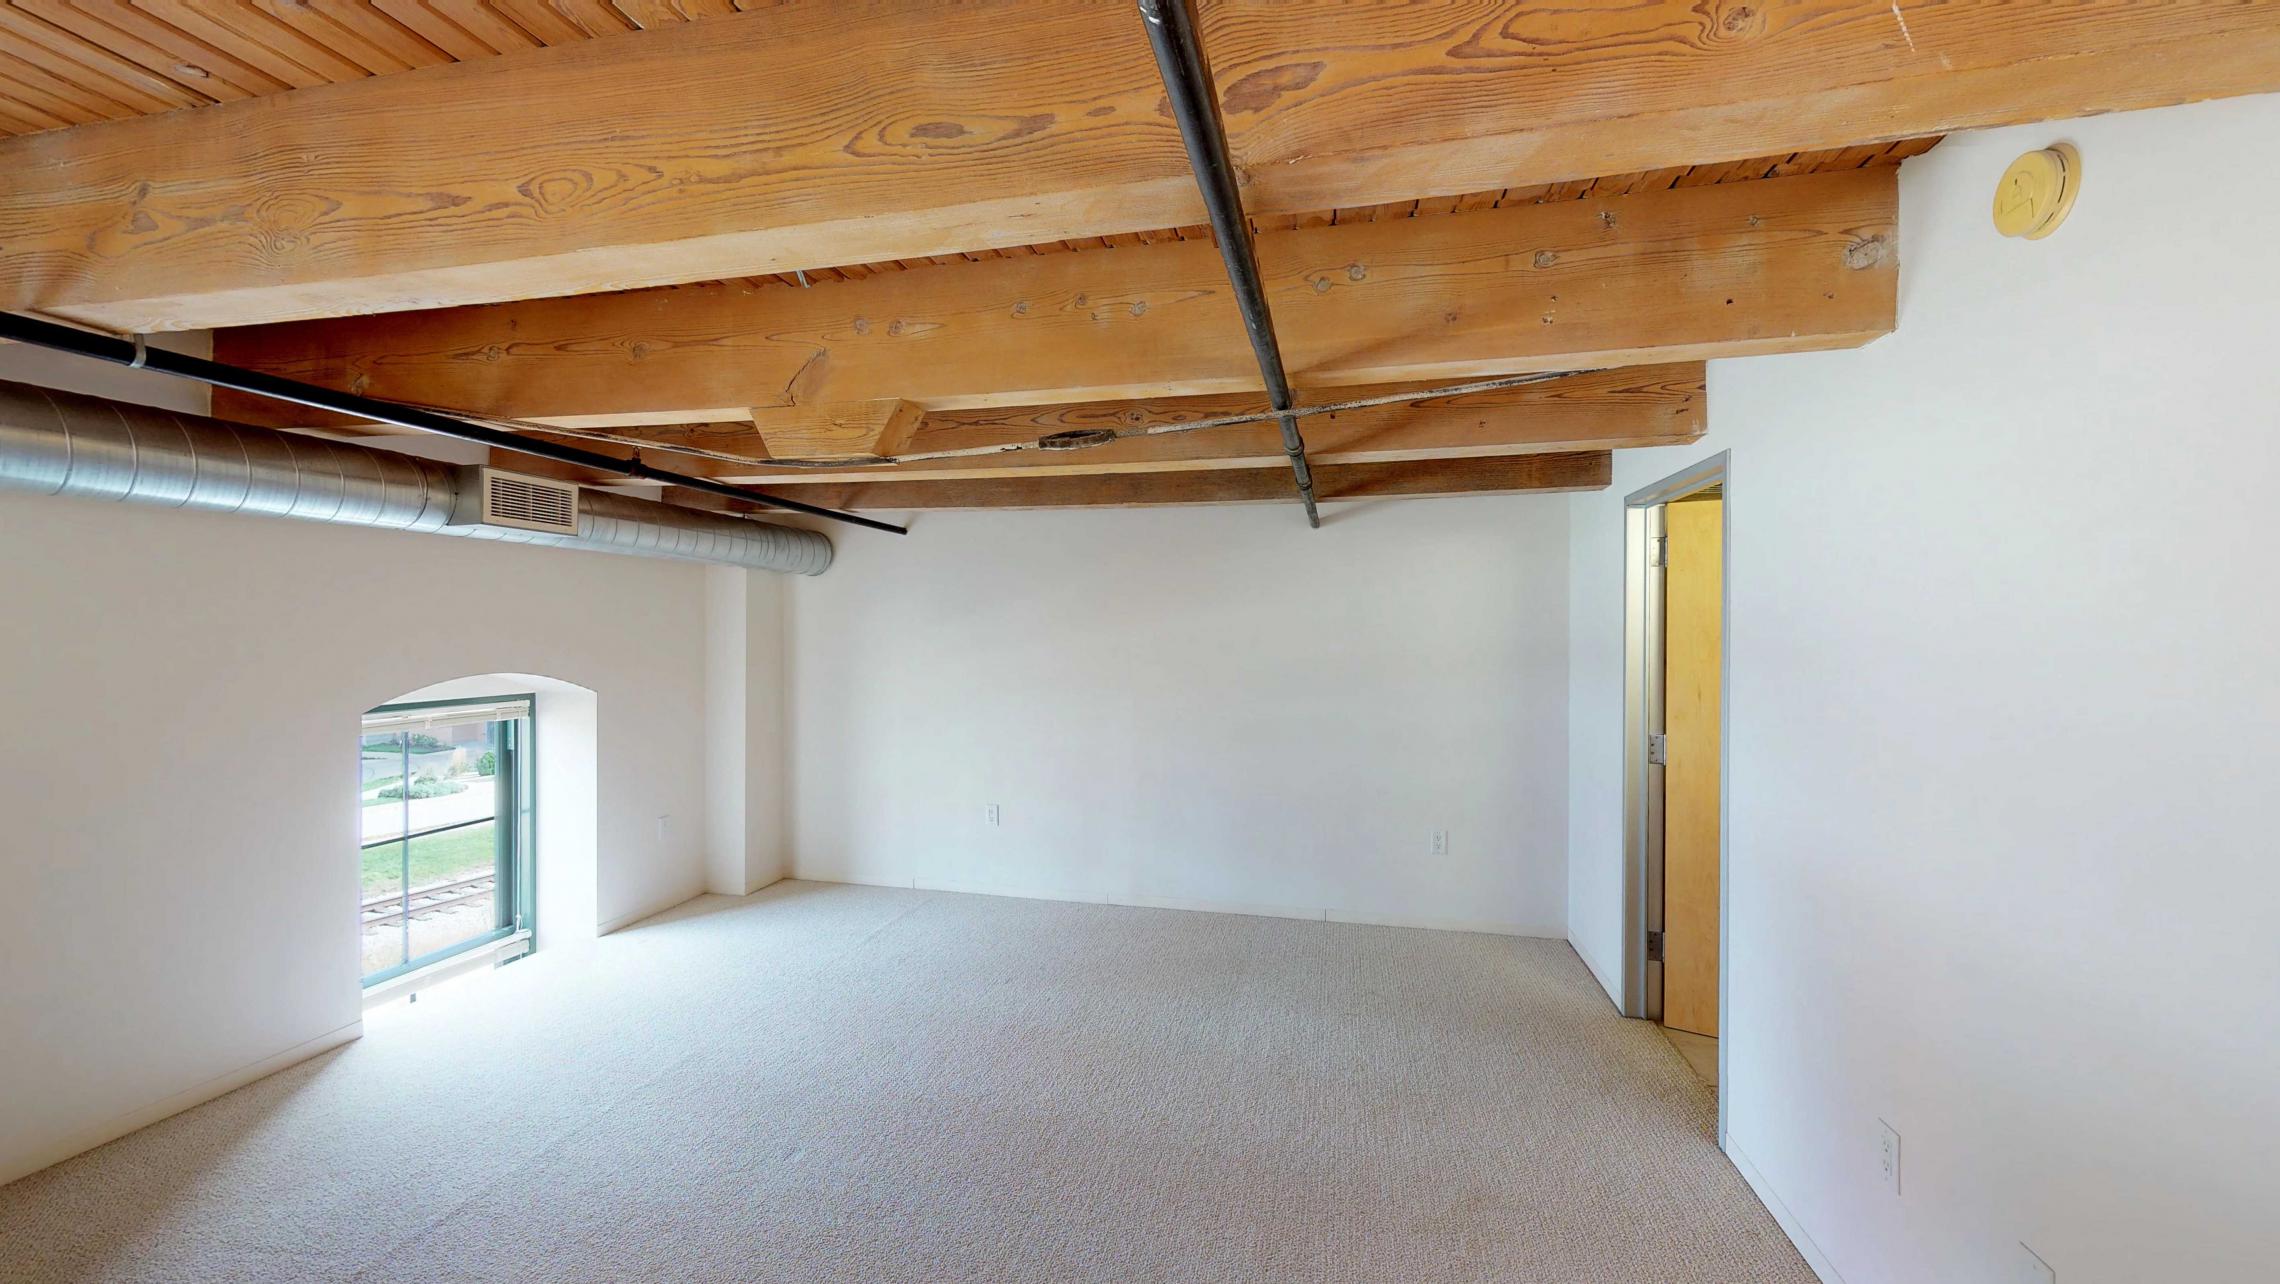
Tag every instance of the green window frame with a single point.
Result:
(514, 819)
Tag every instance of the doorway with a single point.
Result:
(1674, 779)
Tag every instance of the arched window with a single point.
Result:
(447, 799)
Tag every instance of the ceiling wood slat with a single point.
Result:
(178, 53)
(72, 58)
(54, 99)
(597, 17)
(255, 39)
(315, 36)
(19, 105)
(542, 21)
(360, 33)
(76, 97)
(488, 22)
(438, 28)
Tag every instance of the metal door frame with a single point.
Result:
(1643, 584)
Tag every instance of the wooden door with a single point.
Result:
(1693, 608)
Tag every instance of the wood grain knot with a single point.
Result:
(559, 191)
(1258, 90)
(1868, 252)
(283, 220)
(1734, 22)
(935, 135)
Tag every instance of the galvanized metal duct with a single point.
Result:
(62, 443)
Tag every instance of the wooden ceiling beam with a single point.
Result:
(1605, 410)
(1781, 265)
(1334, 483)
(819, 133)
(822, 430)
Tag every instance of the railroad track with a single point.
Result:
(423, 901)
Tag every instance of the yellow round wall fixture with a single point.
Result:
(2038, 192)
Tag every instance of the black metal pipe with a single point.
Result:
(1187, 84)
(127, 352)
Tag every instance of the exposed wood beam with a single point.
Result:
(1613, 409)
(1335, 483)
(824, 430)
(823, 133)
(1782, 265)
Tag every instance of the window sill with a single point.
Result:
(491, 955)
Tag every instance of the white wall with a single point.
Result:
(25, 364)
(728, 687)
(744, 749)
(767, 808)
(181, 693)
(1206, 707)
(2002, 678)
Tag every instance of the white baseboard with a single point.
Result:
(623, 921)
(112, 1129)
(1614, 991)
(743, 887)
(1205, 906)
(1435, 924)
(1806, 1248)
(628, 920)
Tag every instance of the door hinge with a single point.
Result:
(1654, 947)
(1659, 555)
(1658, 749)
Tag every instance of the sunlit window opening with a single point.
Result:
(445, 795)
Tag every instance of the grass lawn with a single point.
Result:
(437, 858)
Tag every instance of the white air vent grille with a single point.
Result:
(529, 503)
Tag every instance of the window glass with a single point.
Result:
(442, 854)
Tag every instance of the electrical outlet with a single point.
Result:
(990, 814)
(2033, 1269)
(1440, 842)
(1888, 1157)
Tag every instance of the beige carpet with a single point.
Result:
(857, 1084)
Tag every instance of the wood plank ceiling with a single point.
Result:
(987, 340)
(74, 62)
